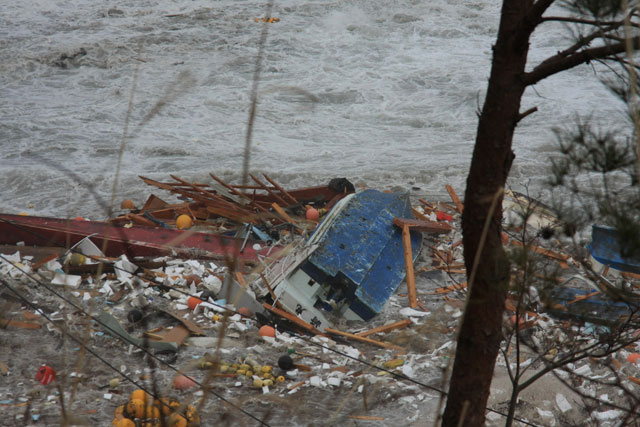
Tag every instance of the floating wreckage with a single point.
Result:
(350, 266)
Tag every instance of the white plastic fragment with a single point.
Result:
(124, 269)
(334, 381)
(583, 370)
(544, 414)
(67, 280)
(315, 381)
(608, 415)
(562, 403)
(410, 312)
(12, 258)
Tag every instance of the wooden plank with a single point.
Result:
(366, 417)
(408, 263)
(363, 339)
(295, 319)
(282, 213)
(280, 189)
(454, 198)
(451, 288)
(240, 279)
(4, 323)
(634, 379)
(543, 251)
(268, 190)
(582, 297)
(270, 289)
(386, 328)
(423, 226)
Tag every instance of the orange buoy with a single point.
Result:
(267, 331)
(127, 204)
(184, 221)
(313, 214)
(193, 302)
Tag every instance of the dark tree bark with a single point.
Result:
(481, 330)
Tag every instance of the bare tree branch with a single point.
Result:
(572, 20)
(559, 62)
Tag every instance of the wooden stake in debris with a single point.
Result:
(455, 198)
(408, 261)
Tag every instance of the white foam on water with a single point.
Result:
(383, 93)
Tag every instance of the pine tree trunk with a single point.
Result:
(481, 330)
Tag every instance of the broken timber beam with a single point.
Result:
(363, 339)
(280, 189)
(423, 226)
(455, 198)
(268, 190)
(385, 328)
(295, 319)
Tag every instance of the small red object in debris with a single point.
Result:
(78, 218)
(45, 374)
(193, 278)
(244, 311)
(192, 302)
(182, 382)
(441, 216)
(267, 331)
(633, 357)
(505, 238)
(313, 214)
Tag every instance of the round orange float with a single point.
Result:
(193, 302)
(313, 214)
(184, 222)
(127, 204)
(267, 331)
(182, 382)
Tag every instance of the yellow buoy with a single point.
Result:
(183, 222)
(123, 422)
(135, 408)
(139, 394)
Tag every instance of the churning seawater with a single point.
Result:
(385, 93)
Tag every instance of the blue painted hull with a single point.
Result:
(361, 254)
(605, 248)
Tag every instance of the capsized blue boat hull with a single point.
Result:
(353, 262)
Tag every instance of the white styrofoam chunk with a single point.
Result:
(562, 403)
(67, 279)
(410, 312)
